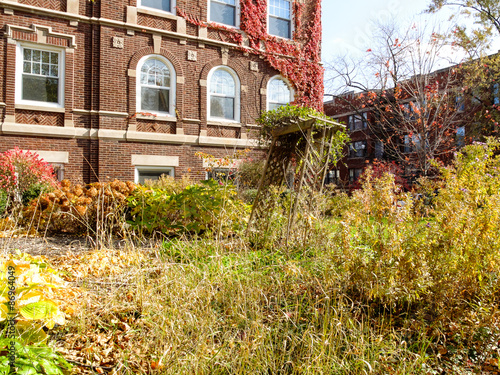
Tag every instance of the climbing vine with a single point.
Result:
(298, 60)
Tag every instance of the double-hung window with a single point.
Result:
(223, 94)
(39, 76)
(224, 11)
(156, 86)
(163, 5)
(278, 93)
(280, 18)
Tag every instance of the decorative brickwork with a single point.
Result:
(222, 131)
(39, 118)
(155, 127)
(49, 4)
(156, 22)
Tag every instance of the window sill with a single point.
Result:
(39, 108)
(157, 13)
(157, 118)
(226, 124)
(218, 24)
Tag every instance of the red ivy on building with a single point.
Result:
(297, 60)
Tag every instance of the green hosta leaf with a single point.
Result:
(50, 368)
(26, 370)
(4, 366)
(38, 310)
(31, 332)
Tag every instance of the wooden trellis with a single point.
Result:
(296, 142)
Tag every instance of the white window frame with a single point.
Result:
(292, 17)
(236, 18)
(145, 168)
(173, 81)
(237, 97)
(19, 75)
(172, 7)
(268, 91)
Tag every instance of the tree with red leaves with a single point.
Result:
(416, 108)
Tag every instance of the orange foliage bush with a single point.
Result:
(78, 209)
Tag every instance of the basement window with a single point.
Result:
(144, 173)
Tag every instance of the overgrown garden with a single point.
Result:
(384, 281)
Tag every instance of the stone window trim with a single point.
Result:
(172, 90)
(291, 20)
(41, 32)
(237, 97)
(268, 92)
(237, 14)
(20, 47)
(156, 11)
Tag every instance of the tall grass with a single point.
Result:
(382, 284)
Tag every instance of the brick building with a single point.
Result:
(387, 127)
(131, 89)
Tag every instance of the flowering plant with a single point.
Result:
(22, 171)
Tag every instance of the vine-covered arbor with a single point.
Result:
(300, 153)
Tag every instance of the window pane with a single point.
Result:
(36, 55)
(157, 100)
(36, 68)
(222, 82)
(157, 4)
(54, 58)
(273, 106)
(279, 93)
(27, 54)
(222, 107)
(155, 73)
(280, 8)
(45, 57)
(279, 27)
(153, 175)
(45, 69)
(26, 67)
(496, 93)
(223, 13)
(39, 88)
(54, 71)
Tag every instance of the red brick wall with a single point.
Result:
(97, 79)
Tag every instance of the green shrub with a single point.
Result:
(248, 195)
(4, 201)
(169, 184)
(208, 206)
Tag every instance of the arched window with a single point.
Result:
(278, 93)
(223, 94)
(156, 86)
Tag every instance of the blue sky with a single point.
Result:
(346, 24)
